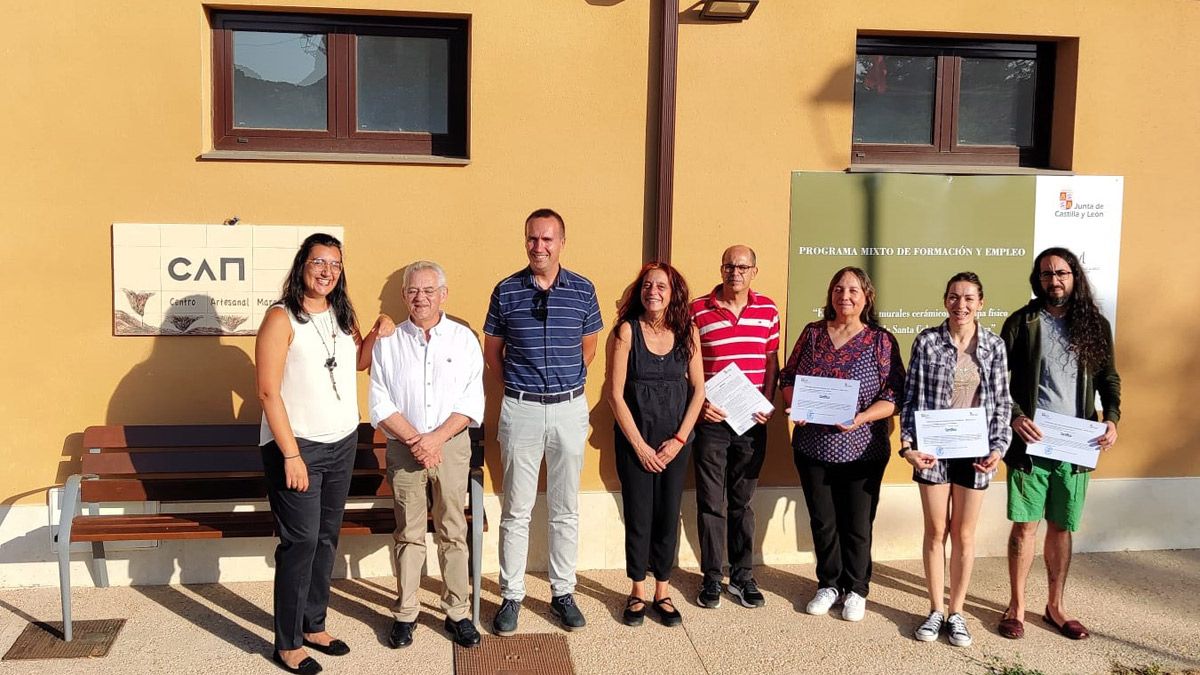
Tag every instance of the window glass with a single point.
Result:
(403, 84)
(894, 98)
(279, 80)
(996, 101)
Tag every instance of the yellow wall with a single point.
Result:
(107, 107)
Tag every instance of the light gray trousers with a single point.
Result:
(529, 432)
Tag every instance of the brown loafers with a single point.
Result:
(1013, 629)
(1071, 629)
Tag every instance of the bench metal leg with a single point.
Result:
(99, 565)
(64, 585)
(476, 550)
(99, 561)
(65, 519)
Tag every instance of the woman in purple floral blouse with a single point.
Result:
(841, 466)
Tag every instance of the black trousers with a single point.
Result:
(651, 510)
(842, 499)
(727, 468)
(308, 524)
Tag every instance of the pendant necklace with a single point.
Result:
(331, 362)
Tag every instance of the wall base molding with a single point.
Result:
(1121, 515)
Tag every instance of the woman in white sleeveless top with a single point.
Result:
(306, 354)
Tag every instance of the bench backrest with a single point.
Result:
(182, 463)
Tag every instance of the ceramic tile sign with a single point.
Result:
(200, 279)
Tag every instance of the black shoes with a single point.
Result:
(563, 607)
(667, 614)
(505, 621)
(631, 616)
(308, 666)
(401, 635)
(463, 632)
(710, 594)
(747, 593)
(334, 648)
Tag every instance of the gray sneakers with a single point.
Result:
(956, 627)
(932, 628)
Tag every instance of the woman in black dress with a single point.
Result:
(656, 389)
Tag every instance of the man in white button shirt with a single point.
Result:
(426, 389)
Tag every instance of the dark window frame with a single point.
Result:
(341, 134)
(945, 148)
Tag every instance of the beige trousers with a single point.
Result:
(415, 488)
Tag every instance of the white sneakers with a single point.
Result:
(854, 606)
(822, 601)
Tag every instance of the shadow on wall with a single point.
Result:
(603, 423)
(831, 100)
(187, 380)
(391, 297)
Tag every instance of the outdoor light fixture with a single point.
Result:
(727, 10)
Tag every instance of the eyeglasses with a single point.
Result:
(1048, 274)
(730, 268)
(428, 292)
(540, 305)
(321, 263)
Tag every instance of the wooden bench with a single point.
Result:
(215, 463)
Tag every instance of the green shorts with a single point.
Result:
(1052, 490)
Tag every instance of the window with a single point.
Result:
(928, 101)
(318, 83)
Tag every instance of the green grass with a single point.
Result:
(1143, 669)
(994, 665)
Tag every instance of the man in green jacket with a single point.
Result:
(1060, 353)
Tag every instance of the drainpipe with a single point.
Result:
(666, 130)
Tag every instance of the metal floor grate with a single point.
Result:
(531, 654)
(43, 640)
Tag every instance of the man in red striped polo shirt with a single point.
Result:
(738, 326)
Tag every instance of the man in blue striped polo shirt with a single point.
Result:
(540, 335)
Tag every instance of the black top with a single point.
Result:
(656, 390)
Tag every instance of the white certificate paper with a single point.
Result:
(731, 391)
(824, 400)
(1067, 438)
(953, 433)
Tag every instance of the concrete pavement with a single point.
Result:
(1142, 608)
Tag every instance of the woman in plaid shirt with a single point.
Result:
(959, 364)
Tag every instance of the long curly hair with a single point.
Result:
(868, 311)
(1087, 331)
(678, 317)
(293, 286)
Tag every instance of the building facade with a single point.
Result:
(120, 112)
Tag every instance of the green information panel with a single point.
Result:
(911, 233)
